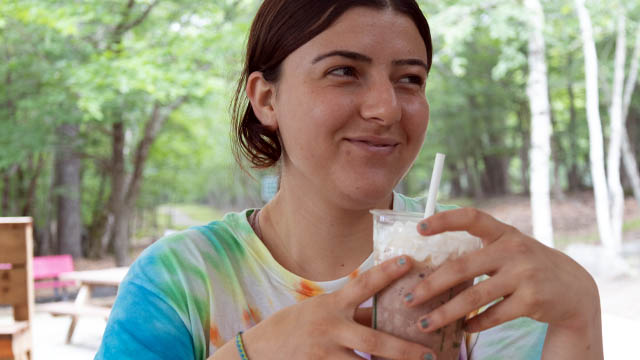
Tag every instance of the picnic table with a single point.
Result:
(83, 305)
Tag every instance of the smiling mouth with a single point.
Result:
(377, 146)
(369, 143)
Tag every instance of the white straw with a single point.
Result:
(433, 187)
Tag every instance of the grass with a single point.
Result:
(562, 241)
(631, 225)
(200, 213)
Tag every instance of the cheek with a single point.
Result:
(417, 115)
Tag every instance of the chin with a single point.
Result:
(369, 195)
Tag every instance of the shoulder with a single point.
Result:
(190, 258)
(198, 244)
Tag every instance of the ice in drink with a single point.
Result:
(395, 234)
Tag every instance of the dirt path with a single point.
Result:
(572, 217)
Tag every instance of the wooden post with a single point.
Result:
(16, 285)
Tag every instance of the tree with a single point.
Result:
(616, 194)
(629, 160)
(540, 127)
(596, 152)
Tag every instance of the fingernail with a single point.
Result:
(423, 226)
(408, 298)
(428, 356)
(401, 261)
(424, 323)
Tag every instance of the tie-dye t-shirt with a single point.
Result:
(191, 292)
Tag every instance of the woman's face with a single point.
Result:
(351, 108)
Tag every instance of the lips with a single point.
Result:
(374, 143)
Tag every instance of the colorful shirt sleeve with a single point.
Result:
(157, 314)
(142, 325)
(520, 339)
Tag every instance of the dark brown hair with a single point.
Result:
(279, 28)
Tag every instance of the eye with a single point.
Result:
(343, 71)
(412, 79)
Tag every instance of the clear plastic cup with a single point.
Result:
(394, 234)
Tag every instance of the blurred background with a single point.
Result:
(115, 128)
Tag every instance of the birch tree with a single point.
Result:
(616, 194)
(630, 165)
(537, 90)
(596, 151)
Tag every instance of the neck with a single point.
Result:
(312, 236)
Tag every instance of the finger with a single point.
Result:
(501, 312)
(466, 302)
(454, 272)
(347, 354)
(473, 221)
(365, 285)
(363, 316)
(378, 343)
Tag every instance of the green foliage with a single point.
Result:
(91, 63)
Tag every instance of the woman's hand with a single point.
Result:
(331, 326)
(532, 279)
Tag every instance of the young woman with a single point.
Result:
(336, 94)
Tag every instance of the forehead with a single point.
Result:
(377, 33)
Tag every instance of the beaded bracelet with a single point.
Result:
(240, 346)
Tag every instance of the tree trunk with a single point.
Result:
(117, 206)
(616, 194)
(631, 167)
(525, 135)
(99, 221)
(31, 188)
(574, 175)
(494, 180)
(596, 151)
(473, 174)
(68, 188)
(6, 192)
(629, 160)
(124, 193)
(538, 93)
(456, 186)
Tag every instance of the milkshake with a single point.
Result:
(395, 234)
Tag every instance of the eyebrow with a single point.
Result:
(364, 58)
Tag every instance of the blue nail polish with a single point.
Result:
(428, 356)
(423, 226)
(424, 323)
(401, 261)
(408, 298)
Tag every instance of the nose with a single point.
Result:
(380, 103)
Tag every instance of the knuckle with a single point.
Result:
(423, 288)
(531, 299)
(474, 296)
(459, 266)
(519, 247)
(471, 214)
(364, 282)
(530, 274)
(369, 342)
(407, 352)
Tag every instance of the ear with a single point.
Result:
(262, 95)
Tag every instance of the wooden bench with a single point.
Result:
(16, 286)
(84, 304)
(70, 308)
